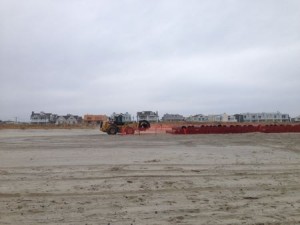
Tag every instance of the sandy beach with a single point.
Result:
(83, 176)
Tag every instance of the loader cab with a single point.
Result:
(118, 120)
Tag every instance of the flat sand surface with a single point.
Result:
(83, 177)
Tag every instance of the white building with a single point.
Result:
(172, 117)
(221, 118)
(215, 118)
(68, 119)
(61, 120)
(296, 119)
(147, 115)
(126, 117)
(197, 118)
(42, 118)
(212, 118)
(231, 118)
(265, 117)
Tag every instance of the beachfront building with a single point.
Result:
(239, 118)
(215, 118)
(296, 119)
(126, 117)
(68, 119)
(147, 115)
(222, 118)
(231, 118)
(265, 117)
(42, 118)
(197, 118)
(172, 117)
(212, 118)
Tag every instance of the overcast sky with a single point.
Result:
(171, 56)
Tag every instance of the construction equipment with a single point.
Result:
(116, 125)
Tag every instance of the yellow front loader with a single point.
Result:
(116, 125)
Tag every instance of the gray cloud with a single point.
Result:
(171, 56)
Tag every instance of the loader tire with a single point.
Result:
(144, 124)
(112, 130)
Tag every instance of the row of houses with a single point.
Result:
(44, 118)
(263, 117)
(242, 117)
(151, 116)
(211, 118)
(50, 118)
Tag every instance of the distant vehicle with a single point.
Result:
(116, 125)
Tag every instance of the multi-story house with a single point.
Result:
(222, 118)
(296, 119)
(69, 119)
(43, 118)
(231, 118)
(212, 118)
(126, 117)
(265, 117)
(197, 118)
(172, 117)
(147, 115)
(239, 118)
